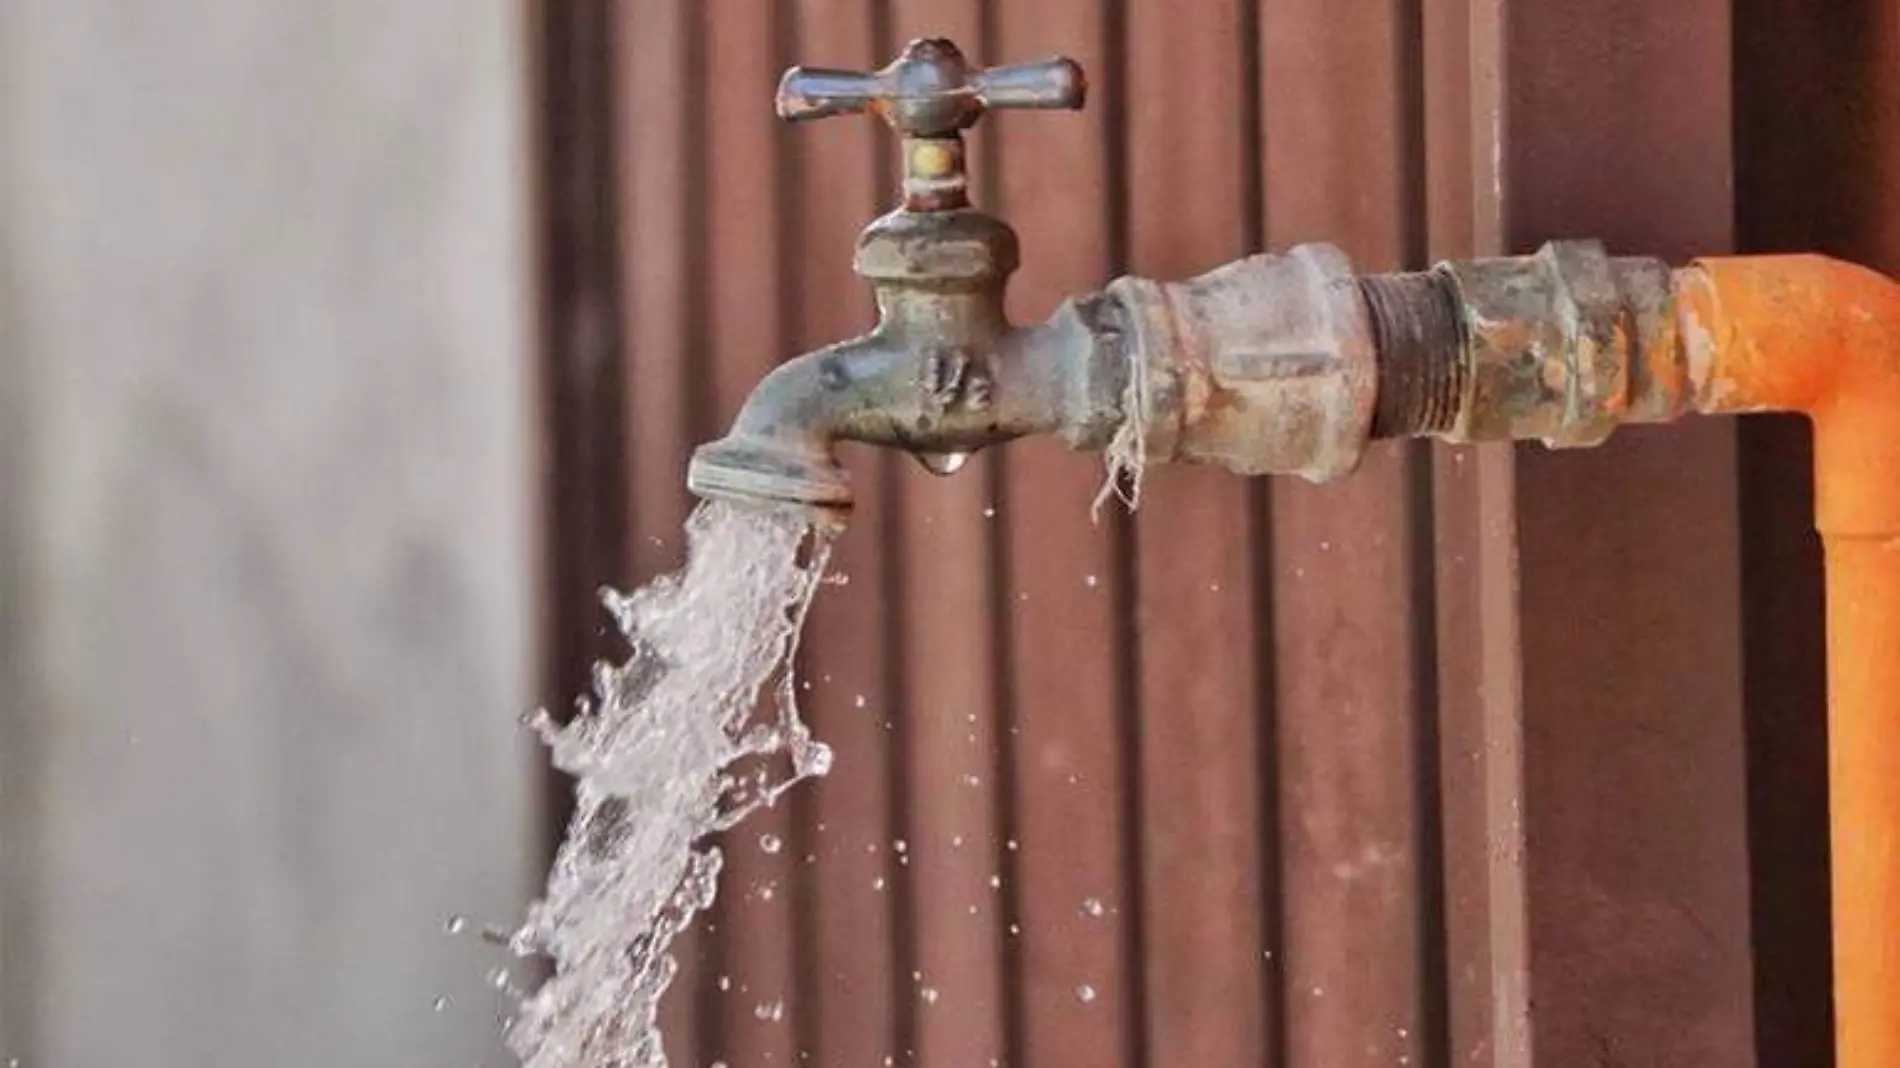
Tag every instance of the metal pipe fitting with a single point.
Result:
(1263, 366)
(939, 396)
(1558, 347)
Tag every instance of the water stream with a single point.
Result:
(693, 730)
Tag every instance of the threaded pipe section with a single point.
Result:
(1421, 352)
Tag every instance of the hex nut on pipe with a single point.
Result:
(1565, 344)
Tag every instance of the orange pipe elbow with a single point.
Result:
(1815, 335)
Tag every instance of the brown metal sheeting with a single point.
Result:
(1457, 762)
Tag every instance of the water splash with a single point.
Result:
(675, 745)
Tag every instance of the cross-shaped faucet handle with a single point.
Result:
(930, 95)
(930, 90)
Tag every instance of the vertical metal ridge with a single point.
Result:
(897, 667)
(1122, 552)
(1271, 907)
(1002, 771)
(802, 840)
(1420, 510)
(1421, 560)
(580, 334)
(698, 400)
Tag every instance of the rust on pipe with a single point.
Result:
(1815, 335)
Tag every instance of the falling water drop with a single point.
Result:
(456, 924)
(441, 1003)
(1085, 993)
(770, 843)
(942, 463)
(1093, 906)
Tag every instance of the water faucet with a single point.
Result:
(943, 374)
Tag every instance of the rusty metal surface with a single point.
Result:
(1069, 646)
(652, 165)
(1479, 689)
(1350, 617)
(853, 1004)
(1264, 739)
(749, 966)
(1634, 800)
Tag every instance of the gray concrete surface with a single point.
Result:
(265, 529)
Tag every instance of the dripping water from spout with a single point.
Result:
(942, 464)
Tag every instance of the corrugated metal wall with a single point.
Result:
(1265, 774)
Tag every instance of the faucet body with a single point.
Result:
(942, 375)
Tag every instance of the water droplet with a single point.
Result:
(441, 1003)
(877, 883)
(929, 994)
(1015, 929)
(770, 1010)
(456, 924)
(718, 1064)
(942, 463)
(1085, 993)
(989, 512)
(1090, 581)
(956, 842)
(996, 882)
(859, 701)
(814, 760)
(900, 845)
(771, 843)
(1092, 906)
(1012, 845)
(725, 982)
(765, 892)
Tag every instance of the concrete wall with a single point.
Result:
(265, 529)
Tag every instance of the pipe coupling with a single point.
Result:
(1563, 345)
(1263, 366)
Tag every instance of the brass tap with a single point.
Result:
(943, 374)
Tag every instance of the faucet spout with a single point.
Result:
(940, 395)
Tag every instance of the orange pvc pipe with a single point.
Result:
(1814, 335)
